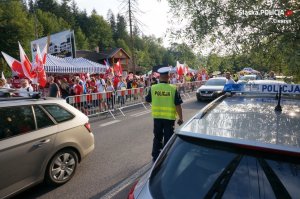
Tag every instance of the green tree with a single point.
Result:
(225, 22)
(50, 23)
(121, 31)
(120, 43)
(15, 25)
(99, 33)
(48, 6)
(81, 40)
(65, 12)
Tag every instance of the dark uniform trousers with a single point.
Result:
(163, 131)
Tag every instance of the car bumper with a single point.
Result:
(208, 96)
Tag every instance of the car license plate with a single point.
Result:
(206, 94)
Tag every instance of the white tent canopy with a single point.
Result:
(72, 65)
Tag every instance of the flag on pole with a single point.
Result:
(186, 69)
(26, 64)
(2, 75)
(179, 68)
(38, 71)
(44, 54)
(106, 64)
(118, 68)
(14, 64)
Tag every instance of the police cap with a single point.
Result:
(164, 70)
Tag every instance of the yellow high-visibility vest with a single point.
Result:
(163, 106)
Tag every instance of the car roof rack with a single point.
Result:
(8, 94)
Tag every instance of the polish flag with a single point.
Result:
(2, 75)
(14, 64)
(106, 64)
(179, 68)
(186, 69)
(118, 68)
(38, 72)
(26, 64)
(44, 54)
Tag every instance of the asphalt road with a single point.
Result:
(123, 147)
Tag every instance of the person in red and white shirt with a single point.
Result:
(78, 90)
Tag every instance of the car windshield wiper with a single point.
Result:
(277, 186)
(218, 188)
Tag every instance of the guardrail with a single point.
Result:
(108, 102)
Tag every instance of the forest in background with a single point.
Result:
(25, 21)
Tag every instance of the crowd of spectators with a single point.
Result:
(64, 86)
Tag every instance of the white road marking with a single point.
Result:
(141, 113)
(109, 123)
(127, 182)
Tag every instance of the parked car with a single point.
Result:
(238, 146)
(244, 79)
(212, 89)
(40, 139)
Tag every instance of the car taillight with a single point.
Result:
(131, 193)
(88, 127)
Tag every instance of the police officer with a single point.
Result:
(166, 102)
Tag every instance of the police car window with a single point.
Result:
(16, 121)
(58, 113)
(42, 118)
(193, 169)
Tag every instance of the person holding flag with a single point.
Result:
(25, 89)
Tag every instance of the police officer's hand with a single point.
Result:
(179, 122)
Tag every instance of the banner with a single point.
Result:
(61, 44)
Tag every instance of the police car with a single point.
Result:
(40, 139)
(244, 144)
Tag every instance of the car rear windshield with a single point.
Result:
(216, 82)
(195, 169)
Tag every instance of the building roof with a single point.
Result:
(107, 54)
(72, 65)
(99, 56)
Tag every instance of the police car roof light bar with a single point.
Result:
(292, 89)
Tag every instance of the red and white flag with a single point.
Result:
(14, 64)
(106, 64)
(44, 54)
(26, 64)
(38, 68)
(118, 69)
(2, 75)
(179, 68)
(186, 69)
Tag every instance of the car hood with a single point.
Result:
(211, 88)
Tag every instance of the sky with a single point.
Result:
(154, 14)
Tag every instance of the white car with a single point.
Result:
(40, 139)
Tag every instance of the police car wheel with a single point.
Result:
(61, 167)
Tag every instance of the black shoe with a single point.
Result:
(153, 160)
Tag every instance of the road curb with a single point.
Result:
(127, 182)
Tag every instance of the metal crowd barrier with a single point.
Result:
(108, 102)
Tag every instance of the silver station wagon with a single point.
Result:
(40, 139)
(243, 145)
